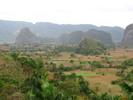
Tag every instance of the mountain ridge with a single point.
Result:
(77, 36)
(9, 29)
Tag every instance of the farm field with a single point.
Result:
(101, 83)
(99, 79)
(117, 54)
(4, 48)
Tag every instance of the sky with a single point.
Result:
(96, 12)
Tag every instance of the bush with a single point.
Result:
(113, 82)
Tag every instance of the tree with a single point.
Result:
(58, 74)
(72, 55)
(128, 89)
(71, 61)
(34, 63)
(105, 96)
(84, 87)
(41, 89)
(128, 62)
(80, 78)
(15, 55)
(73, 76)
(63, 77)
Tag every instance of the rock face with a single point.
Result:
(25, 36)
(128, 36)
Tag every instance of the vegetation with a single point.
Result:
(67, 48)
(128, 62)
(90, 46)
(50, 73)
(87, 46)
(128, 89)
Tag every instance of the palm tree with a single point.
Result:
(128, 89)
(41, 89)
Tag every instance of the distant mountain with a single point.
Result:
(117, 33)
(9, 29)
(71, 38)
(128, 36)
(77, 36)
(100, 35)
(25, 36)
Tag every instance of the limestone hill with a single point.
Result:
(128, 36)
(25, 36)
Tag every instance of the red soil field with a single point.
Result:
(4, 48)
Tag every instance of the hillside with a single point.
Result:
(25, 36)
(9, 30)
(102, 36)
(128, 36)
(77, 36)
(117, 33)
(89, 46)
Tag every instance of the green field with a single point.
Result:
(84, 74)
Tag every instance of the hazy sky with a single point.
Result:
(97, 12)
